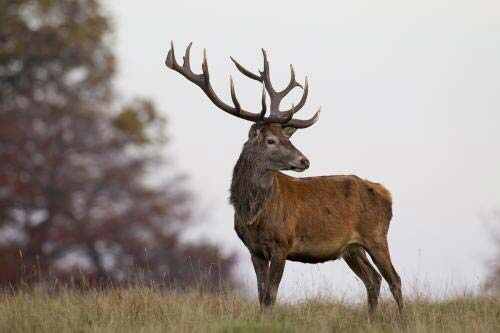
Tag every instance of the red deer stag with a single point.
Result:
(310, 220)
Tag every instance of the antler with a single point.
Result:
(275, 116)
(277, 96)
(203, 81)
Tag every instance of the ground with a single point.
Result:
(145, 309)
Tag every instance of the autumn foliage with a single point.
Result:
(78, 198)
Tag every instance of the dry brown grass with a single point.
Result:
(145, 309)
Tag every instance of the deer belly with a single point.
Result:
(317, 253)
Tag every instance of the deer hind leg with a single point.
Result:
(382, 259)
(356, 259)
(261, 267)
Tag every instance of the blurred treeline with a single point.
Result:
(493, 224)
(78, 200)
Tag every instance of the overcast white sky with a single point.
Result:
(410, 98)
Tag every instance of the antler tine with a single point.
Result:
(170, 61)
(204, 66)
(292, 84)
(264, 106)
(233, 94)
(245, 71)
(300, 123)
(303, 99)
(266, 77)
(186, 59)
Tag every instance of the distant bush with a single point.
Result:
(493, 281)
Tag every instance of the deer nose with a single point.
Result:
(304, 162)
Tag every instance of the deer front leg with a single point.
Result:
(261, 267)
(276, 269)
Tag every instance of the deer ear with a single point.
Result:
(254, 131)
(288, 131)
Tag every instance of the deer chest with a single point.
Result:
(261, 239)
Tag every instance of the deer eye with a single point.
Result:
(270, 142)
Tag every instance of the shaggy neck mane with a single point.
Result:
(251, 186)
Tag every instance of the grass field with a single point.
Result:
(149, 310)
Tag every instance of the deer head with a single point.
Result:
(269, 137)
